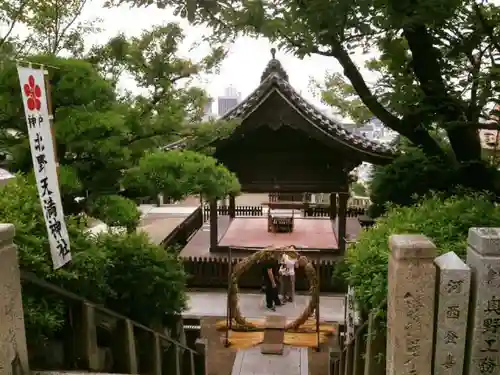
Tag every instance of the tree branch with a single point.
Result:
(410, 129)
(486, 26)
(61, 33)
(425, 64)
(14, 21)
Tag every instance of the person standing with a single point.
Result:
(270, 276)
(288, 284)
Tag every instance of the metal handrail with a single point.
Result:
(32, 278)
(363, 326)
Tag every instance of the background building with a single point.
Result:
(375, 131)
(228, 101)
(208, 112)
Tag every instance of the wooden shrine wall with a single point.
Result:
(284, 159)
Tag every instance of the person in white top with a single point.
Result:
(287, 272)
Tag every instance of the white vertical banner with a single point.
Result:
(44, 164)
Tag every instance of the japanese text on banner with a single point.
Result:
(44, 163)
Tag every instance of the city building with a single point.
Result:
(375, 131)
(228, 101)
(208, 113)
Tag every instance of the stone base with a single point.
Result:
(274, 334)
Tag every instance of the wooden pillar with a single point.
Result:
(124, 348)
(89, 350)
(333, 206)
(342, 221)
(232, 206)
(214, 234)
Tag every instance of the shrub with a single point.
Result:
(177, 174)
(122, 271)
(148, 283)
(116, 211)
(19, 205)
(412, 175)
(404, 181)
(446, 221)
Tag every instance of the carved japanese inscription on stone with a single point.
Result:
(454, 278)
(412, 332)
(483, 256)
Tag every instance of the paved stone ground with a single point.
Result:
(252, 306)
(251, 361)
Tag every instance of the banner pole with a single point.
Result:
(48, 93)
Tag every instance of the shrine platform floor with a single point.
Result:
(308, 233)
(199, 244)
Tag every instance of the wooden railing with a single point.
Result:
(239, 210)
(212, 273)
(259, 211)
(363, 353)
(183, 233)
(97, 339)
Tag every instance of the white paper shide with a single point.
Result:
(44, 164)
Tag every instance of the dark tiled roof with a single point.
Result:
(334, 129)
(275, 78)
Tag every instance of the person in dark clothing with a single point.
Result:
(270, 278)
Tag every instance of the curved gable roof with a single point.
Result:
(275, 79)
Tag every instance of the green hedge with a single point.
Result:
(446, 221)
(123, 271)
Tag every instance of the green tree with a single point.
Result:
(178, 174)
(20, 205)
(53, 26)
(90, 127)
(169, 108)
(437, 59)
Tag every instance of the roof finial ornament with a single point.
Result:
(273, 53)
(274, 68)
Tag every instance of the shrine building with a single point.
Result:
(283, 144)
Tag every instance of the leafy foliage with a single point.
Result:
(19, 205)
(412, 175)
(57, 21)
(126, 272)
(115, 210)
(358, 189)
(446, 221)
(437, 64)
(178, 174)
(99, 136)
(148, 283)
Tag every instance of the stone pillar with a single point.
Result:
(483, 257)
(13, 350)
(214, 233)
(232, 206)
(333, 206)
(454, 278)
(342, 221)
(410, 305)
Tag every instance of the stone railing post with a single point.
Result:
(13, 350)
(410, 305)
(483, 257)
(454, 278)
